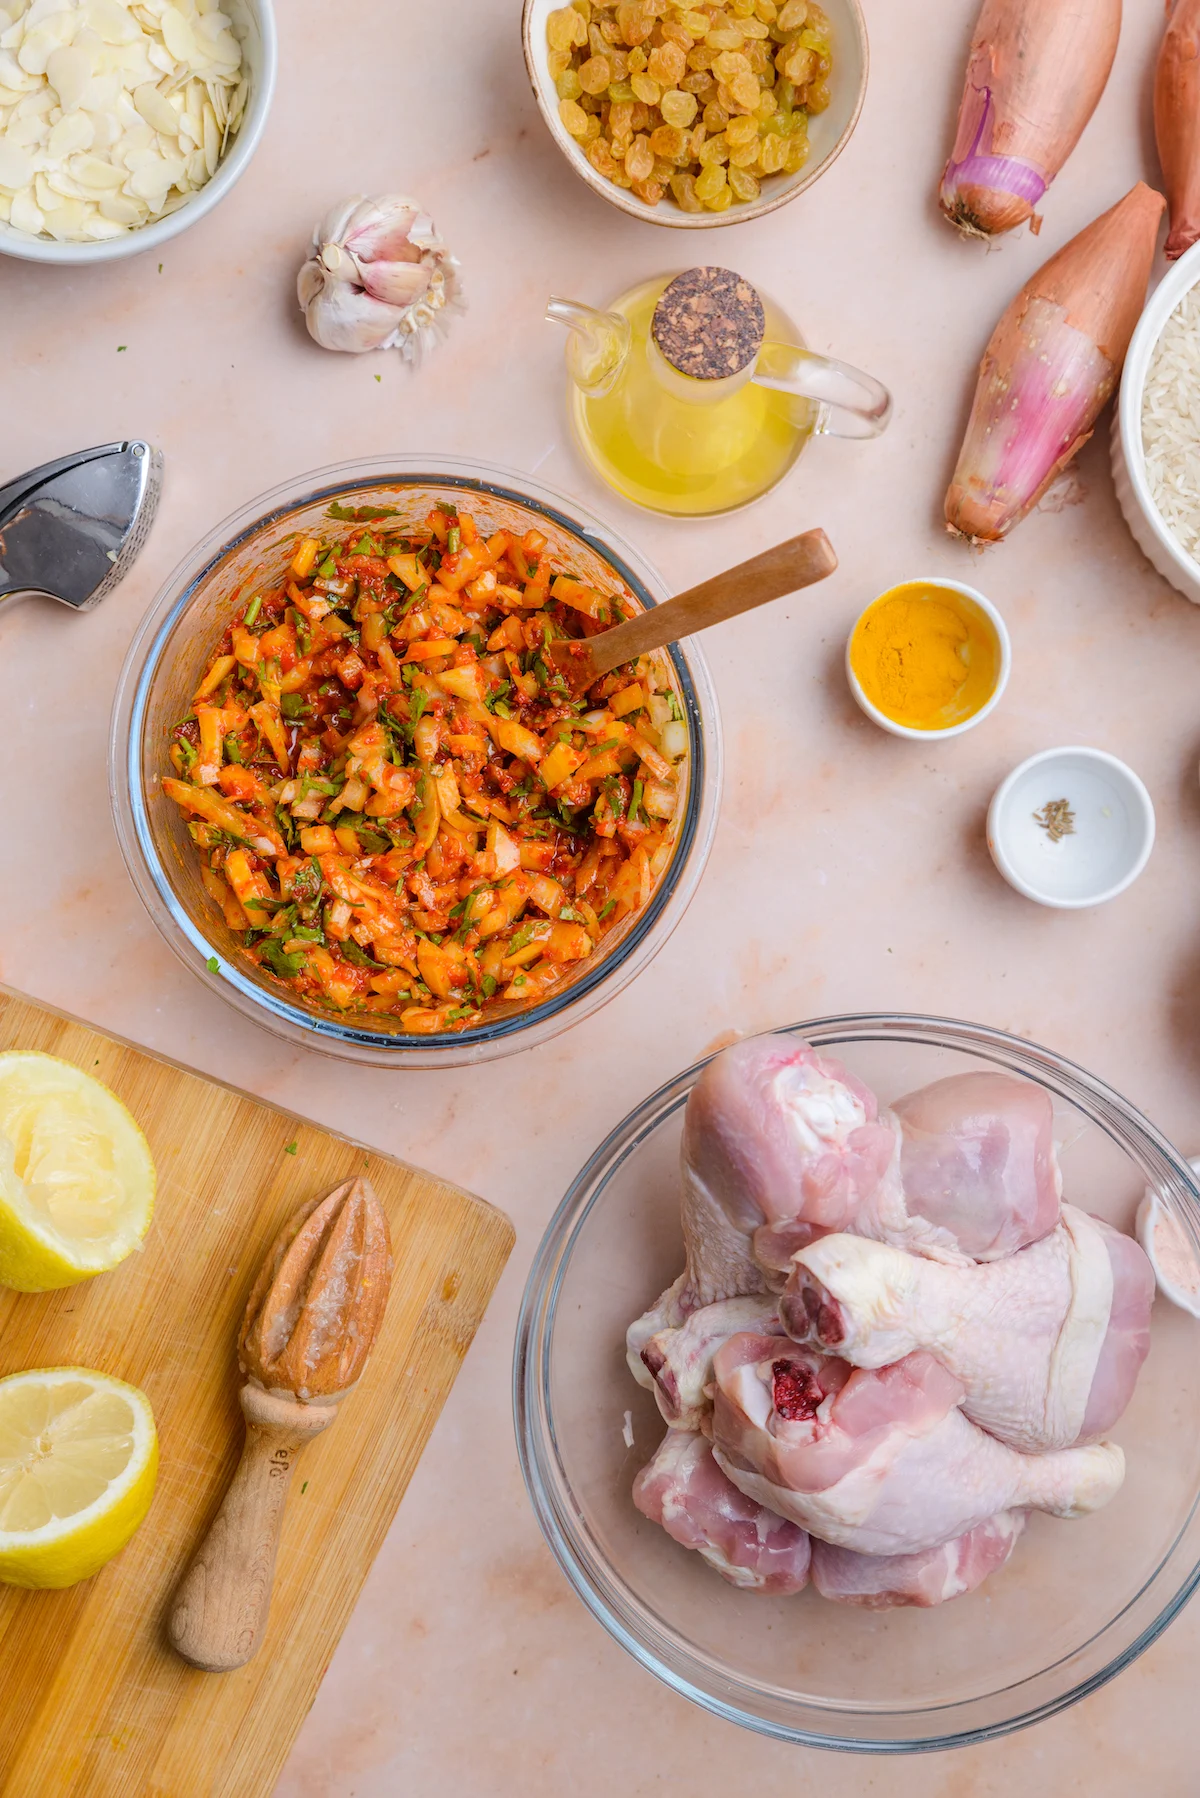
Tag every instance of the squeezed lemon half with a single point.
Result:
(76, 1176)
(78, 1461)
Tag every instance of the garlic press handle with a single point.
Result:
(71, 529)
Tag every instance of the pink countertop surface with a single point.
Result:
(850, 870)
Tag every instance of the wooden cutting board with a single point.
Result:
(94, 1700)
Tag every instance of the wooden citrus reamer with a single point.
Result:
(310, 1323)
(800, 562)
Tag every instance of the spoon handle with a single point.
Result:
(800, 562)
(219, 1614)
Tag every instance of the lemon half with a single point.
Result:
(76, 1176)
(78, 1461)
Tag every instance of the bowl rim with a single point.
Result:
(270, 1010)
(1003, 640)
(674, 218)
(1178, 280)
(549, 1491)
(995, 835)
(24, 248)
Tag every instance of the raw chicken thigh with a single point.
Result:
(882, 1582)
(882, 1462)
(978, 1160)
(683, 1489)
(1048, 1344)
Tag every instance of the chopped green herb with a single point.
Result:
(609, 907)
(252, 610)
(359, 514)
(187, 752)
(635, 801)
(328, 569)
(292, 705)
(489, 985)
(213, 965)
(454, 540)
(304, 1487)
(290, 1148)
(233, 751)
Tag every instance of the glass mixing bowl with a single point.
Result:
(1079, 1600)
(173, 647)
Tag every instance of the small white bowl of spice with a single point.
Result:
(1071, 828)
(122, 124)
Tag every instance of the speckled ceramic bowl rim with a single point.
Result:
(673, 217)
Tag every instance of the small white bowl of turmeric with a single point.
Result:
(929, 658)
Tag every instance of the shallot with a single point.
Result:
(1036, 72)
(1053, 362)
(1177, 122)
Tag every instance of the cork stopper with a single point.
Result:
(709, 323)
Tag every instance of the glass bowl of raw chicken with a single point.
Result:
(843, 1393)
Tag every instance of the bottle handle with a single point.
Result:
(849, 402)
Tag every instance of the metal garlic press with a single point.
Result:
(71, 529)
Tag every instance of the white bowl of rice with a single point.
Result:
(1156, 431)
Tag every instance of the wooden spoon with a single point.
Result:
(310, 1323)
(800, 562)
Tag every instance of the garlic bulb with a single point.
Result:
(378, 278)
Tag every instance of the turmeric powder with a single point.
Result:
(925, 656)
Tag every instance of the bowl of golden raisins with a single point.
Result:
(698, 112)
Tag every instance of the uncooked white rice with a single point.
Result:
(1171, 424)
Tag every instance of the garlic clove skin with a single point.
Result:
(340, 315)
(380, 231)
(397, 284)
(378, 277)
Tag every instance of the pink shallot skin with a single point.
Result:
(1040, 392)
(1036, 72)
(1052, 363)
(1177, 122)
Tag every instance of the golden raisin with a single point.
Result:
(684, 189)
(639, 159)
(573, 117)
(669, 142)
(667, 64)
(650, 191)
(710, 182)
(793, 16)
(678, 109)
(595, 74)
(633, 22)
(646, 88)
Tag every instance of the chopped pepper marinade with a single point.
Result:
(400, 805)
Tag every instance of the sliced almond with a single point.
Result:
(67, 219)
(106, 129)
(38, 45)
(99, 229)
(122, 210)
(68, 71)
(27, 133)
(74, 131)
(111, 21)
(177, 34)
(94, 174)
(157, 112)
(26, 215)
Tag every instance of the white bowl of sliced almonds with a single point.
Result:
(124, 121)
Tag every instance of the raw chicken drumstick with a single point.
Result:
(1048, 1344)
(683, 1489)
(779, 1143)
(677, 1364)
(881, 1462)
(882, 1582)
